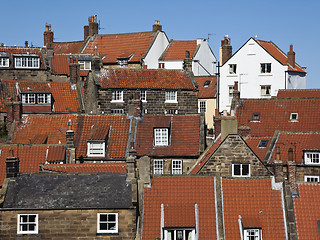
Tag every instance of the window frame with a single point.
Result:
(117, 111)
(143, 95)
(232, 69)
(202, 108)
(99, 230)
(158, 166)
(308, 160)
(264, 89)
(117, 96)
(255, 117)
(168, 230)
(85, 65)
(265, 68)
(311, 177)
(256, 237)
(4, 62)
(90, 148)
(263, 143)
(292, 119)
(170, 111)
(20, 223)
(26, 62)
(161, 137)
(241, 169)
(176, 167)
(171, 96)
(230, 91)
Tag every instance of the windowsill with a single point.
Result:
(251, 54)
(293, 121)
(312, 164)
(254, 121)
(238, 176)
(160, 145)
(27, 67)
(170, 101)
(117, 101)
(27, 234)
(144, 101)
(100, 156)
(232, 75)
(265, 96)
(102, 233)
(265, 74)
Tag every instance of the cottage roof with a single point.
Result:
(298, 93)
(60, 65)
(260, 145)
(109, 167)
(176, 51)
(207, 87)
(67, 47)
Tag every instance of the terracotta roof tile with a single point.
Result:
(147, 79)
(87, 167)
(179, 196)
(60, 65)
(207, 86)
(177, 50)
(298, 93)
(67, 47)
(253, 143)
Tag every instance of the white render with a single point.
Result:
(248, 60)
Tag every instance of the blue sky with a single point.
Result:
(283, 22)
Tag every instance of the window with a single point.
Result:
(232, 68)
(176, 166)
(171, 111)
(294, 117)
(96, 149)
(123, 63)
(311, 179)
(252, 234)
(27, 224)
(107, 223)
(202, 106)
(256, 117)
(311, 158)
(206, 83)
(117, 96)
(231, 88)
(36, 98)
(241, 170)
(161, 65)
(28, 98)
(143, 95)
(157, 166)
(43, 98)
(265, 67)
(85, 65)
(171, 96)
(263, 143)
(161, 137)
(4, 62)
(179, 234)
(117, 111)
(266, 91)
(26, 62)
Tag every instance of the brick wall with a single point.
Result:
(68, 224)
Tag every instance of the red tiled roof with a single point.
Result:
(307, 211)
(276, 52)
(177, 50)
(298, 93)
(257, 204)
(87, 167)
(60, 65)
(275, 114)
(113, 46)
(67, 47)
(253, 143)
(65, 98)
(183, 140)
(179, 196)
(55, 127)
(207, 91)
(148, 79)
(30, 157)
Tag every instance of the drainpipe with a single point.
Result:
(218, 86)
(240, 227)
(162, 220)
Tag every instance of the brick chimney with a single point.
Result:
(70, 143)
(291, 171)
(96, 63)
(74, 67)
(292, 57)
(12, 165)
(187, 63)
(131, 173)
(236, 95)
(48, 36)
(225, 50)
(156, 26)
(85, 32)
(26, 44)
(93, 25)
(228, 126)
(135, 106)
(278, 167)
(14, 111)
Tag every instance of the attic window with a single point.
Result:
(294, 117)
(263, 143)
(179, 234)
(123, 62)
(206, 83)
(252, 234)
(26, 62)
(311, 158)
(265, 67)
(4, 62)
(255, 117)
(96, 149)
(161, 136)
(85, 65)
(36, 98)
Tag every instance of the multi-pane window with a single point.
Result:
(311, 157)
(312, 179)
(263, 143)
(231, 88)
(170, 111)
(143, 95)
(179, 234)
(28, 98)
(117, 95)
(85, 65)
(161, 136)
(117, 111)
(4, 62)
(241, 170)
(123, 63)
(36, 98)
(265, 67)
(26, 62)
(232, 68)
(107, 223)
(96, 148)
(202, 106)
(252, 234)
(265, 91)
(171, 96)
(255, 117)
(157, 166)
(43, 98)
(176, 166)
(27, 224)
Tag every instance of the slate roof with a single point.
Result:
(112, 46)
(55, 127)
(258, 205)
(176, 51)
(298, 93)
(69, 191)
(307, 211)
(60, 65)
(275, 115)
(207, 91)
(112, 167)
(67, 47)
(145, 79)
(179, 194)
(183, 140)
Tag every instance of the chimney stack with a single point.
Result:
(93, 25)
(14, 111)
(48, 36)
(187, 63)
(70, 143)
(135, 106)
(74, 71)
(85, 32)
(228, 126)
(225, 50)
(156, 26)
(235, 96)
(278, 167)
(26, 44)
(12, 165)
(291, 171)
(292, 57)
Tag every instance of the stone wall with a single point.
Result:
(68, 224)
(187, 164)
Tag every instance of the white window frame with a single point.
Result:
(158, 167)
(4, 62)
(85, 65)
(311, 179)
(167, 233)
(117, 96)
(202, 106)
(257, 234)
(99, 221)
(117, 111)
(27, 62)
(123, 62)
(161, 136)
(294, 119)
(171, 96)
(96, 148)
(241, 168)
(230, 91)
(46, 97)
(176, 167)
(263, 90)
(20, 222)
(232, 69)
(143, 95)
(171, 111)
(312, 158)
(28, 98)
(265, 68)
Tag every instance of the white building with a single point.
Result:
(260, 68)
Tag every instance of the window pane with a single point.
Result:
(236, 169)
(103, 226)
(245, 169)
(32, 218)
(111, 217)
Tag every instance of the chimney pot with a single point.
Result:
(156, 26)
(48, 36)
(225, 50)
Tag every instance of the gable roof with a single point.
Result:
(179, 196)
(176, 50)
(257, 204)
(61, 62)
(207, 91)
(67, 47)
(145, 79)
(253, 143)
(127, 45)
(92, 190)
(183, 134)
(109, 167)
(275, 115)
(298, 93)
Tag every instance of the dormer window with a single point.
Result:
(179, 234)
(27, 62)
(117, 96)
(161, 136)
(123, 62)
(263, 143)
(4, 62)
(85, 65)
(252, 234)
(36, 98)
(255, 117)
(96, 148)
(293, 117)
(311, 158)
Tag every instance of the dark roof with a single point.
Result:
(68, 191)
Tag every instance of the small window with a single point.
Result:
(117, 96)
(202, 106)
(252, 234)
(206, 83)
(263, 143)
(143, 95)
(311, 179)
(176, 167)
(265, 67)
(294, 117)
(96, 148)
(4, 62)
(179, 234)
(171, 111)
(161, 65)
(241, 170)
(117, 111)
(27, 224)
(311, 158)
(161, 136)
(256, 117)
(171, 96)
(123, 63)
(157, 167)
(266, 91)
(43, 98)
(231, 88)
(107, 223)
(232, 68)
(85, 65)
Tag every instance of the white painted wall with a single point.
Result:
(204, 57)
(296, 80)
(172, 64)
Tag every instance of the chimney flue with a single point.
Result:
(292, 57)
(225, 50)
(26, 43)
(156, 26)
(93, 25)
(48, 36)
(12, 165)
(291, 171)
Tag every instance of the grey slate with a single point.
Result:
(69, 191)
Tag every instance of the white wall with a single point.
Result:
(160, 44)
(172, 64)
(296, 80)
(205, 58)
